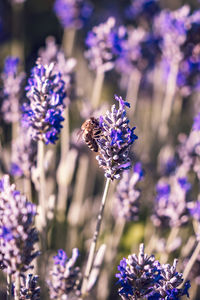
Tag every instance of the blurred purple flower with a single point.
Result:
(145, 9)
(170, 206)
(72, 13)
(194, 209)
(12, 82)
(196, 124)
(24, 151)
(127, 196)
(64, 277)
(46, 92)
(104, 44)
(17, 234)
(115, 141)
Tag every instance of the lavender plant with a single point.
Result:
(72, 13)
(12, 83)
(64, 277)
(18, 234)
(127, 195)
(115, 141)
(46, 93)
(142, 276)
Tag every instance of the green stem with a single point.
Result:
(42, 200)
(94, 241)
(132, 91)
(191, 262)
(9, 287)
(96, 92)
(168, 100)
(17, 287)
(68, 41)
(173, 234)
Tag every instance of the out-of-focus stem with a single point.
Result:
(64, 145)
(68, 40)
(97, 88)
(158, 91)
(40, 165)
(94, 241)
(17, 45)
(9, 287)
(132, 90)
(173, 234)
(17, 287)
(110, 257)
(27, 188)
(191, 262)
(168, 100)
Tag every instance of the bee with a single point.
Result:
(91, 131)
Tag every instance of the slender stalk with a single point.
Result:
(68, 40)
(191, 262)
(96, 92)
(173, 234)
(9, 287)
(168, 100)
(158, 91)
(132, 90)
(42, 200)
(17, 287)
(94, 241)
(17, 45)
(62, 186)
(68, 44)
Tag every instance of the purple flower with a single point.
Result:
(194, 209)
(145, 9)
(60, 258)
(115, 141)
(64, 276)
(196, 124)
(185, 185)
(24, 151)
(12, 82)
(170, 205)
(29, 288)
(167, 285)
(104, 43)
(46, 92)
(17, 234)
(127, 196)
(137, 275)
(72, 13)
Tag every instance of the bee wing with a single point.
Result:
(79, 135)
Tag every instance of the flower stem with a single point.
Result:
(9, 287)
(94, 241)
(191, 262)
(40, 162)
(96, 92)
(62, 185)
(168, 100)
(132, 91)
(17, 287)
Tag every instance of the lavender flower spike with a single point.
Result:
(12, 82)
(137, 276)
(72, 13)
(115, 141)
(17, 234)
(64, 277)
(46, 92)
(127, 196)
(29, 288)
